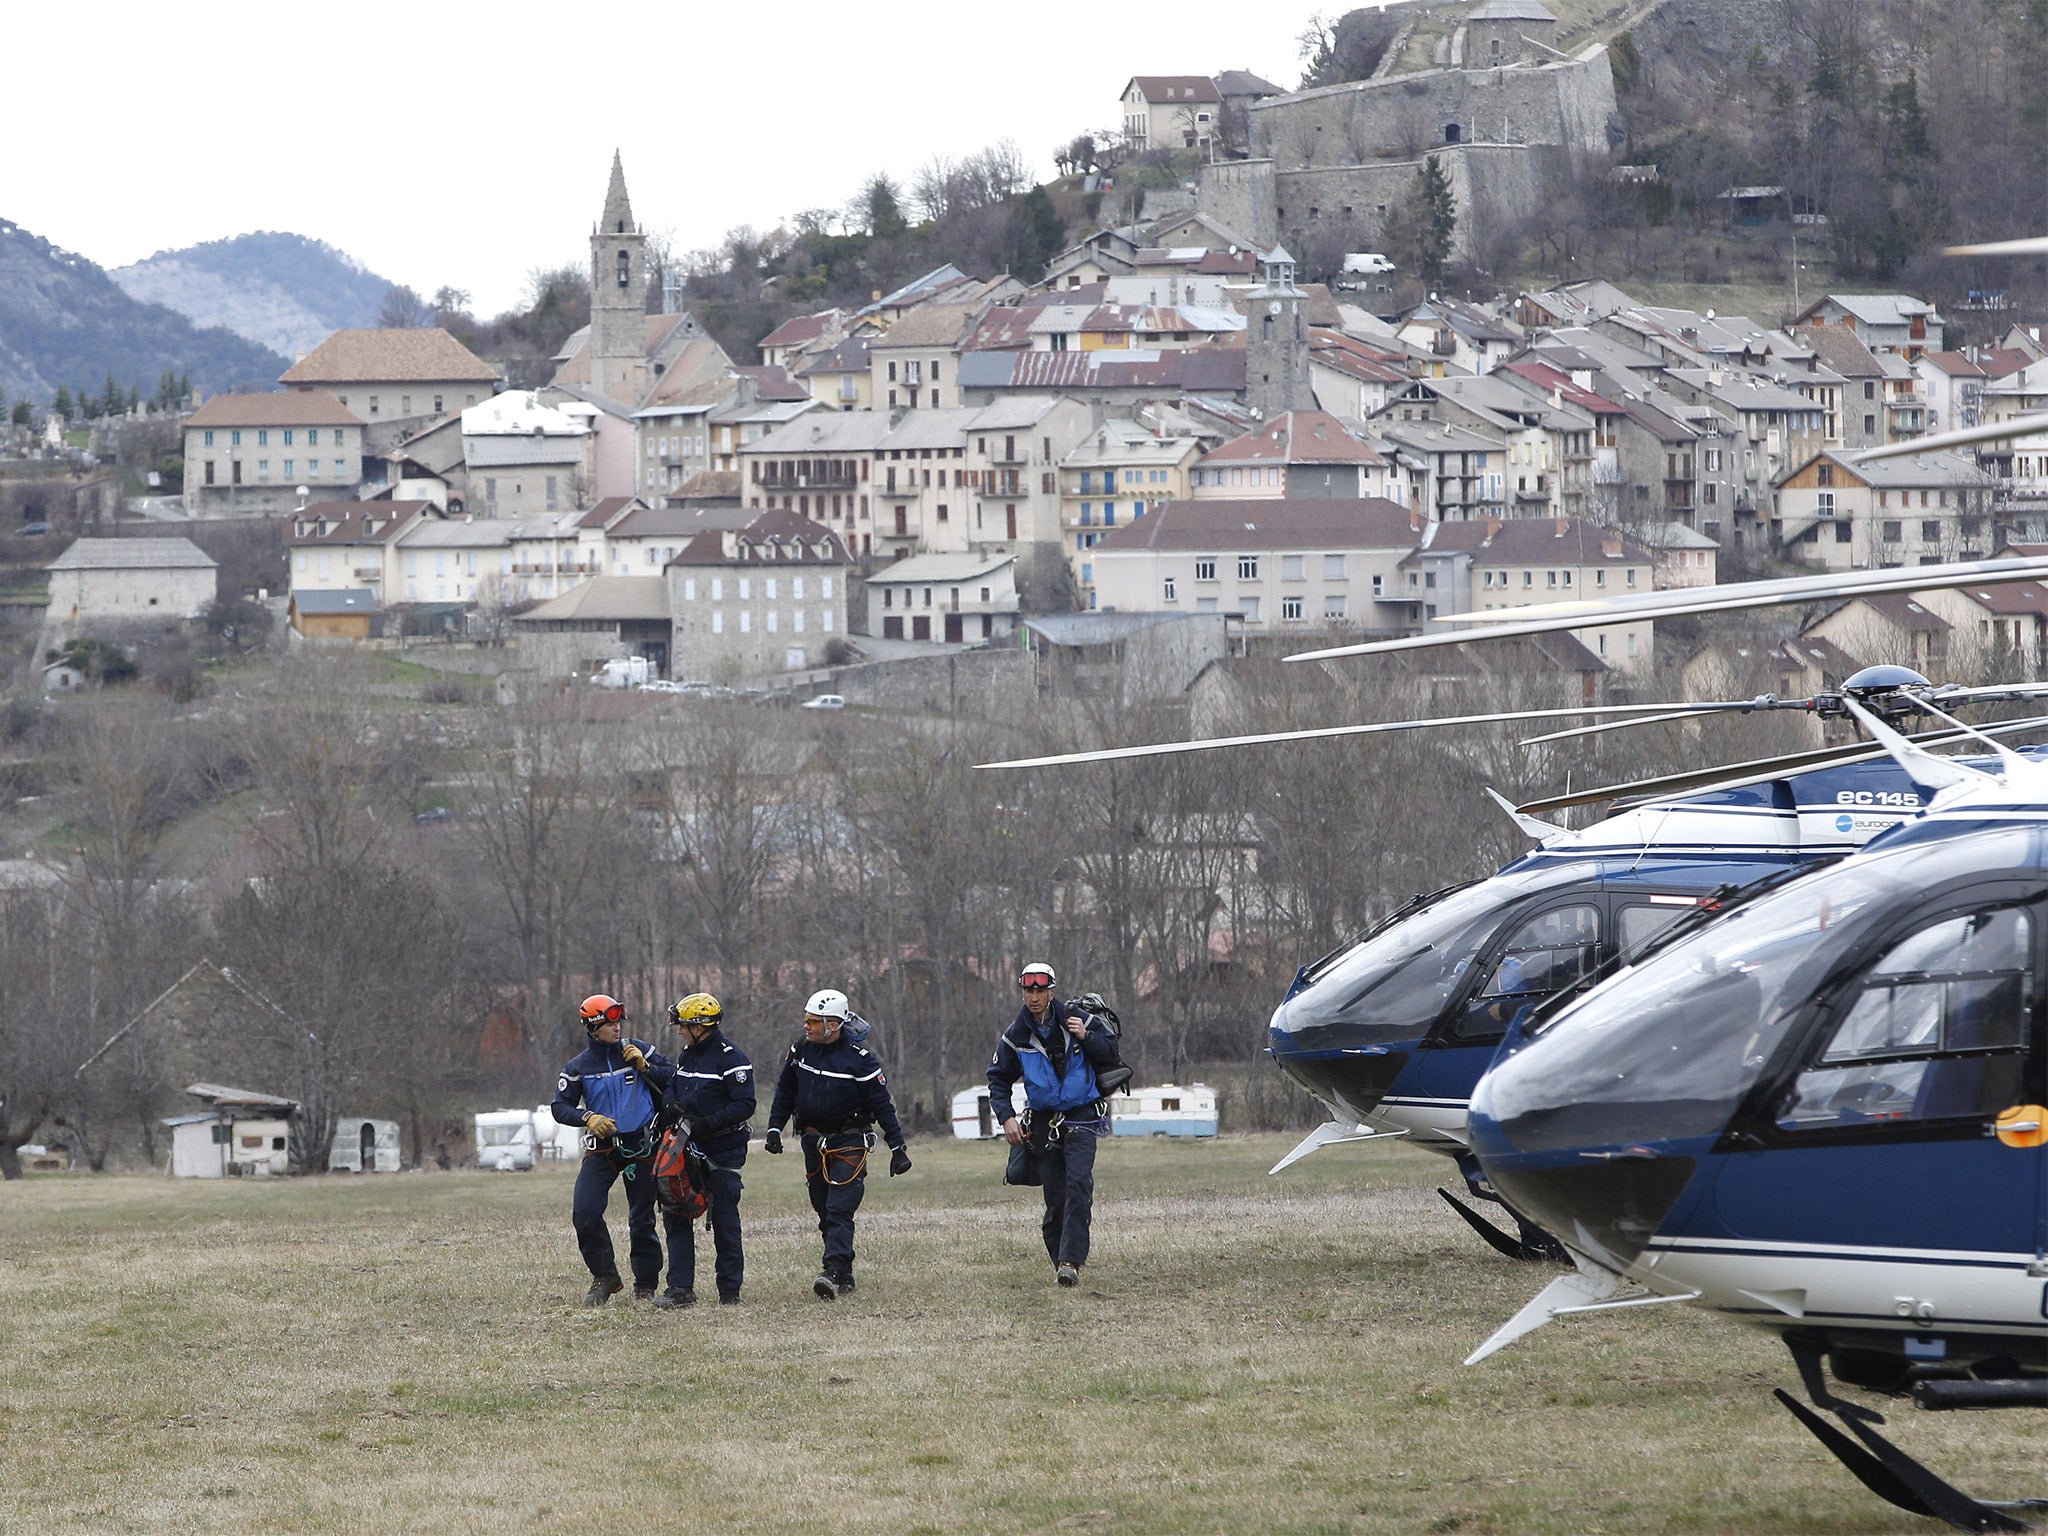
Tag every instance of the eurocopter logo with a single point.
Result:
(1845, 823)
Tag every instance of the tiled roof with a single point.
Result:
(801, 329)
(929, 325)
(132, 555)
(427, 354)
(1537, 541)
(1297, 437)
(605, 598)
(283, 408)
(353, 522)
(773, 538)
(936, 568)
(1955, 364)
(772, 382)
(1162, 89)
(1904, 611)
(1229, 524)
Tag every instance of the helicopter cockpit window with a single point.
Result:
(1395, 984)
(1546, 954)
(1937, 1030)
(1639, 925)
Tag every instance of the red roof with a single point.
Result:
(1233, 523)
(1297, 437)
(1547, 378)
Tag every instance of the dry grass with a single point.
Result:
(406, 1354)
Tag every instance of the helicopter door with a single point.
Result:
(1543, 955)
(1883, 1135)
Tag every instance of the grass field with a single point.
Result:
(407, 1354)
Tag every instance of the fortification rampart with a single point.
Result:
(1345, 154)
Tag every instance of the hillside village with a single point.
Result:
(405, 634)
(1167, 425)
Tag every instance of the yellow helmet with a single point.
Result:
(699, 1008)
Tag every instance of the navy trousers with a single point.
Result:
(723, 1186)
(835, 1203)
(1068, 1166)
(593, 1191)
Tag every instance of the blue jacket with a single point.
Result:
(598, 1082)
(832, 1087)
(713, 1089)
(1056, 1075)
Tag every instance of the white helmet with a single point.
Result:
(829, 1004)
(1035, 970)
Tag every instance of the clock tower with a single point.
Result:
(1276, 341)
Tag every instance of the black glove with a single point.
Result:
(899, 1162)
(773, 1142)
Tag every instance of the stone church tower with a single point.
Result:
(618, 298)
(1276, 342)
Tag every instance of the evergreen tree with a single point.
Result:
(1035, 234)
(62, 404)
(24, 413)
(1441, 210)
(884, 209)
(113, 398)
(1420, 227)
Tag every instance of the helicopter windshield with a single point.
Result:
(1392, 985)
(1668, 1049)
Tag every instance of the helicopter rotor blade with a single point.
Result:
(1962, 437)
(2030, 245)
(1321, 733)
(1682, 602)
(1622, 725)
(1755, 771)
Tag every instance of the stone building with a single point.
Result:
(769, 598)
(251, 453)
(1500, 111)
(394, 380)
(102, 580)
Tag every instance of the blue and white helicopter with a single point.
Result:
(1392, 1031)
(1824, 1113)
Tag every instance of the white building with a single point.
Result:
(944, 599)
(100, 579)
(1281, 564)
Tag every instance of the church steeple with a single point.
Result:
(1276, 341)
(618, 297)
(617, 218)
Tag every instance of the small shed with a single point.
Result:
(348, 615)
(63, 677)
(241, 1133)
(364, 1146)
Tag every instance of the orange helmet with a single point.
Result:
(600, 1009)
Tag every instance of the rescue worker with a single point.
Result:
(1057, 1049)
(713, 1093)
(837, 1092)
(610, 1090)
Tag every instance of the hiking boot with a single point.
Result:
(1068, 1275)
(728, 1298)
(843, 1284)
(671, 1299)
(644, 1292)
(602, 1290)
(825, 1288)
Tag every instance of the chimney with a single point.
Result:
(1610, 546)
(1562, 524)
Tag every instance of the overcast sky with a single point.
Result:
(470, 144)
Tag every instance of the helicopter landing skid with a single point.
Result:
(1881, 1466)
(1549, 1249)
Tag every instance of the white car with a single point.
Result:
(824, 701)
(1367, 262)
(662, 685)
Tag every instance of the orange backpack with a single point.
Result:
(679, 1169)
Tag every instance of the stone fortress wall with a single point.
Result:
(1347, 153)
